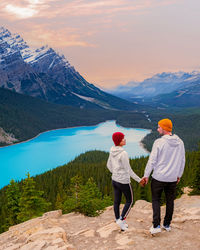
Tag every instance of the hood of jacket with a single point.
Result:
(172, 140)
(116, 150)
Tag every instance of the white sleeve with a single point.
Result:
(109, 164)
(152, 159)
(182, 162)
(126, 164)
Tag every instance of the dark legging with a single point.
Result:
(126, 189)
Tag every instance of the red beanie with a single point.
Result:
(117, 138)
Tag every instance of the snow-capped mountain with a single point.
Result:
(45, 74)
(188, 96)
(159, 84)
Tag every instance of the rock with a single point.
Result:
(6, 137)
(89, 233)
(141, 204)
(187, 190)
(124, 240)
(74, 231)
(13, 247)
(139, 231)
(53, 214)
(22, 231)
(34, 245)
(105, 231)
(49, 234)
(187, 218)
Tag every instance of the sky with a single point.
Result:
(111, 42)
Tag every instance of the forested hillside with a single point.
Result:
(25, 116)
(55, 189)
(186, 124)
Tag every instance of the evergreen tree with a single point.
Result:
(91, 201)
(3, 225)
(72, 199)
(86, 199)
(196, 183)
(59, 202)
(179, 189)
(12, 206)
(60, 197)
(31, 203)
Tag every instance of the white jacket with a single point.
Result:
(119, 166)
(167, 159)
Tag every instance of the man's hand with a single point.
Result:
(146, 179)
(143, 182)
(178, 180)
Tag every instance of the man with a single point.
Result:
(167, 160)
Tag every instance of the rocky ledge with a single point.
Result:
(6, 138)
(74, 231)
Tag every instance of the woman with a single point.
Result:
(119, 166)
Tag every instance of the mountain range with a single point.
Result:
(178, 89)
(40, 90)
(45, 74)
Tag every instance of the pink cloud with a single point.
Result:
(22, 9)
(57, 38)
(21, 12)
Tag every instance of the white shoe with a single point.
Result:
(167, 228)
(121, 224)
(126, 225)
(155, 230)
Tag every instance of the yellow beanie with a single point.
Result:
(166, 124)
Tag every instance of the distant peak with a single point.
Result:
(4, 31)
(16, 43)
(43, 48)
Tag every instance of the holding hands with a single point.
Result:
(144, 181)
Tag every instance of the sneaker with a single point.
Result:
(121, 224)
(126, 225)
(167, 228)
(155, 230)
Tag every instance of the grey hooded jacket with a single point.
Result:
(167, 159)
(119, 166)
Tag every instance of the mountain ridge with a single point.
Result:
(25, 116)
(45, 74)
(158, 84)
(188, 96)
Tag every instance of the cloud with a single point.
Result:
(102, 7)
(23, 9)
(35, 1)
(57, 38)
(88, 8)
(21, 12)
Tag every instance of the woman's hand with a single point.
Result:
(142, 182)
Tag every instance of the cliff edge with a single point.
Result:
(75, 231)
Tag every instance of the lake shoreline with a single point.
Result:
(50, 131)
(17, 143)
(53, 148)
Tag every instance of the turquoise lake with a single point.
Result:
(57, 147)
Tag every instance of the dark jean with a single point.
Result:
(169, 188)
(126, 189)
